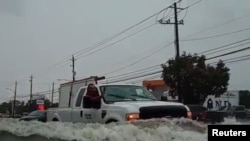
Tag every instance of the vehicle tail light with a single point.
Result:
(132, 116)
(189, 115)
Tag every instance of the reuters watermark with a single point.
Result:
(241, 132)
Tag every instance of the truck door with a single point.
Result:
(77, 111)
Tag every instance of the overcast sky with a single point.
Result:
(36, 34)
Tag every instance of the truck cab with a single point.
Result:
(117, 103)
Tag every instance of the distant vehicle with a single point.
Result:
(238, 112)
(198, 112)
(35, 115)
(115, 103)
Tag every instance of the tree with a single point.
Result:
(197, 80)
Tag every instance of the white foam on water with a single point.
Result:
(157, 130)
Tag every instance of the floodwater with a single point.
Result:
(157, 130)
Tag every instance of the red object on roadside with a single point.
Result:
(41, 107)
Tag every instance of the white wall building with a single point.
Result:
(227, 99)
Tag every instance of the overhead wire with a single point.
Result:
(157, 72)
(129, 28)
(219, 25)
(78, 53)
(227, 22)
(227, 48)
(219, 35)
(145, 57)
(224, 46)
(232, 59)
(155, 66)
(110, 45)
(130, 78)
(229, 53)
(137, 71)
(141, 59)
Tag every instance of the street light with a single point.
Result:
(10, 90)
(63, 80)
(12, 106)
(13, 103)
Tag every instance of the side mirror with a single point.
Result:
(91, 103)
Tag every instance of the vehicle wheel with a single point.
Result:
(111, 121)
(55, 119)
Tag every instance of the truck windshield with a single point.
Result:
(120, 93)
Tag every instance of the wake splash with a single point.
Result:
(157, 130)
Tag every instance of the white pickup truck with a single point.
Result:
(119, 103)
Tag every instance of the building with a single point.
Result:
(229, 98)
(158, 87)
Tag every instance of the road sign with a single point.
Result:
(39, 102)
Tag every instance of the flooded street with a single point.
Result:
(158, 130)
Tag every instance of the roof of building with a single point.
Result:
(153, 83)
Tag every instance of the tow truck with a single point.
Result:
(118, 103)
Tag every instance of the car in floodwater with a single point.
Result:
(37, 115)
(239, 112)
(198, 112)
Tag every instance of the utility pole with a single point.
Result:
(31, 81)
(52, 94)
(14, 104)
(73, 68)
(73, 77)
(176, 24)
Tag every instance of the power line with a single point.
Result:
(110, 45)
(220, 47)
(229, 53)
(156, 66)
(227, 48)
(159, 72)
(137, 71)
(232, 59)
(156, 72)
(129, 78)
(127, 29)
(221, 24)
(27, 95)
(145, 57)
(142, 59)
(239, 60)
(78, 53)
(215, 36)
